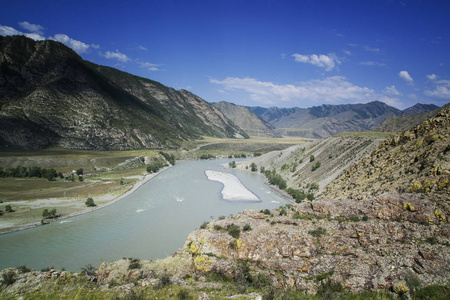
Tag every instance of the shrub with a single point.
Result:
(207, 156)
(8, 208)
(23, 269)
(80, 171)
(247, 227)
(232, 164)
(315, 166)
(183, 294)
(169, 157)
(89, 270)
(283, 212)
(317, 232)
(234, 231)
(9, 277)
(90, 202)
(254, 167)
(232, 245)
(45, 214)
(135, 263)
(311, 158)
(204, 225)
(217, 227)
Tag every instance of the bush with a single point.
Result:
(254, 167)
(90, 202)
(232, 164)
(183, 294)
(204, 225)
(80, 171)
(315, 166)
(9, 277)
(247, 227)
(153, 168)
(234, 230)
(318, 232)
(311, 158)
(169, 157)
(23, 269)
(135, 263)
(89, 270)
(207, 156)
(8, 208)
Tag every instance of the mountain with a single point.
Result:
(50, 96)
(419, 108)
(327, 120)
(246, 119)
(416, 160)
(406, 121)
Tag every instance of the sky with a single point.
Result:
(259, 53)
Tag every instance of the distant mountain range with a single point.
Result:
(50, 96)
(327, 120)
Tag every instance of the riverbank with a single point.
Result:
(111, 199)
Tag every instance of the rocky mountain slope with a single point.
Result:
(419, 108)
(50, 96)
(334, 154)
(416, 160)
(327, 120)
(406, 121)
(246, 119)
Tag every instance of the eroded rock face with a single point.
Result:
(416, 160)
(370, 244)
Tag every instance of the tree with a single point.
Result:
(80, 171)
(90, 202)
(53, 213)
(45, 214)
(254, 167)
(311, 158)
(8, 208)
(232, 164)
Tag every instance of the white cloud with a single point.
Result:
(116, 55)
(77, 46)
(441, 90)
(142, 48)
(367, 48)
(372, 63)
(283, 55)
(149, 66)
(331, 90)
(34, 28)
(328, 62)
(432, 77)
(95, 46)
(392, 91)
(6, 30)
(406, 77)
(413, 96)
(347, 52)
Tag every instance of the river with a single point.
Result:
(151, 223)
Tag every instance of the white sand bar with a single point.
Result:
(233, 189)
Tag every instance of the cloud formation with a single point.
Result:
(327, 62)
(372, 63)
(441, 90)
(331, 90)
(432, 77)
(116, 55)
(35, 28)
(77, 46)
(406, 77)
(391, 91)
(149, 66)
(6, 30)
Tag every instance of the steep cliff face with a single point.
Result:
(246, 119)
(416, 160)
(50, 96)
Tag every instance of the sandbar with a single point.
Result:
(233, 189)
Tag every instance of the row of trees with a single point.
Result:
(36, 172)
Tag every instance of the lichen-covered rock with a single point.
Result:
(363, 245)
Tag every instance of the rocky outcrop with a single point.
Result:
(376, 244)
(246, 119)
(416, 160)
(49, 96)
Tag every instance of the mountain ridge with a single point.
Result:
(50, 96)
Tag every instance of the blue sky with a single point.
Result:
(259, 53)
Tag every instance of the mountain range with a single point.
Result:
(50, 96)
(327, 120)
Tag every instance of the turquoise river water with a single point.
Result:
(151, 223)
